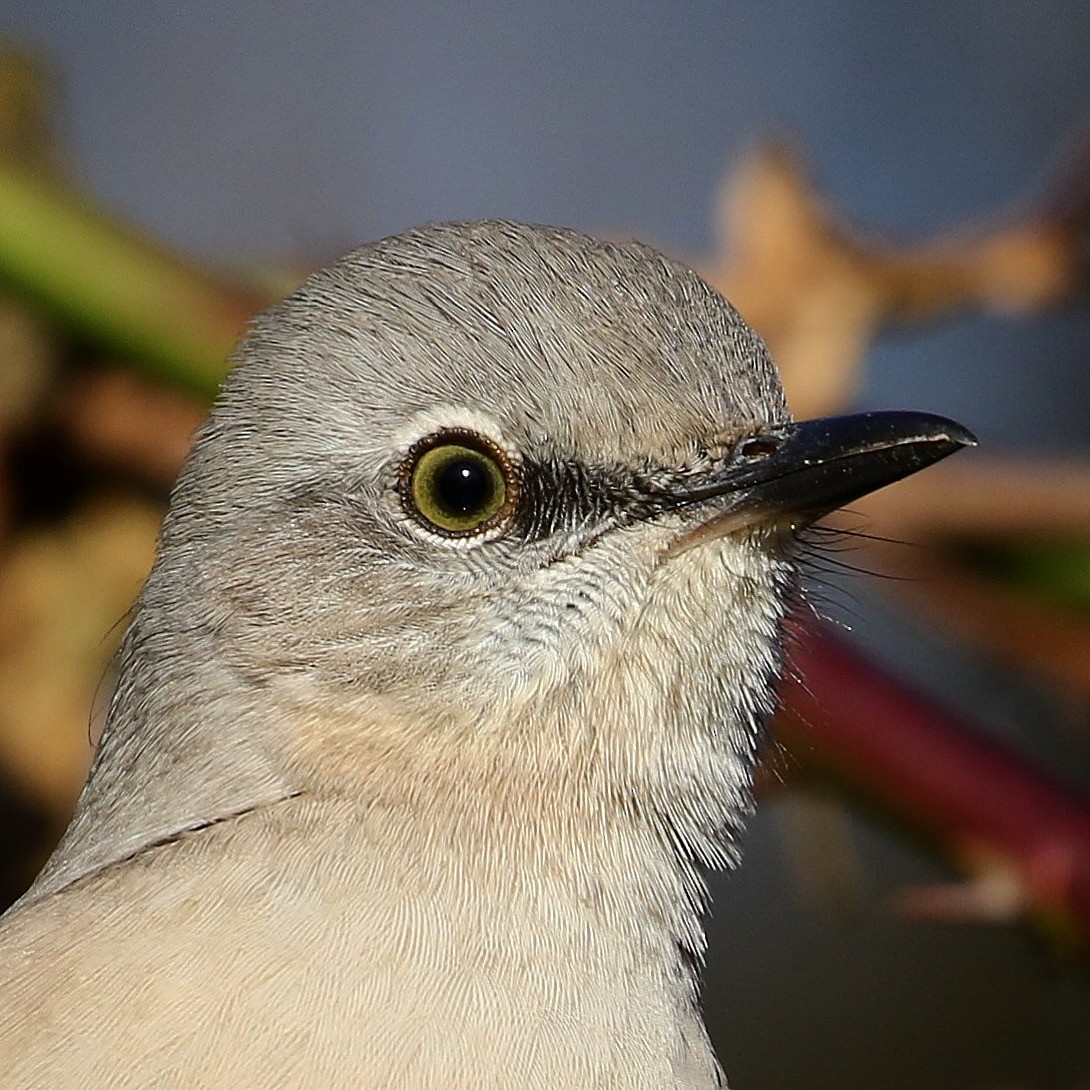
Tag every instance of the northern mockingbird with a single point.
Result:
(447, 682)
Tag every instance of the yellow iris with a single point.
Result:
(458, 489)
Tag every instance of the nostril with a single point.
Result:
(760, 446)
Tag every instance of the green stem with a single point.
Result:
(1057, 570)
(114, 287)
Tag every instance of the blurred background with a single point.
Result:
(894, 194)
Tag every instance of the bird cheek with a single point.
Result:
(722, 586)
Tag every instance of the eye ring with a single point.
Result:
(458, 484)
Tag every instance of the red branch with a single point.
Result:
(980, 799)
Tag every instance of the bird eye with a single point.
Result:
(458, 483)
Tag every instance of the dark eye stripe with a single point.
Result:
(459, 484)
(560, 497)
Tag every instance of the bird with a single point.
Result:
(446, 688)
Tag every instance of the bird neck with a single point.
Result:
(578, 937)
(557, 902)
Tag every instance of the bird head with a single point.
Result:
(487, 510)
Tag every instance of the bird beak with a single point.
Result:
(799, 472)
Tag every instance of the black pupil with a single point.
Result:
(463, 486)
